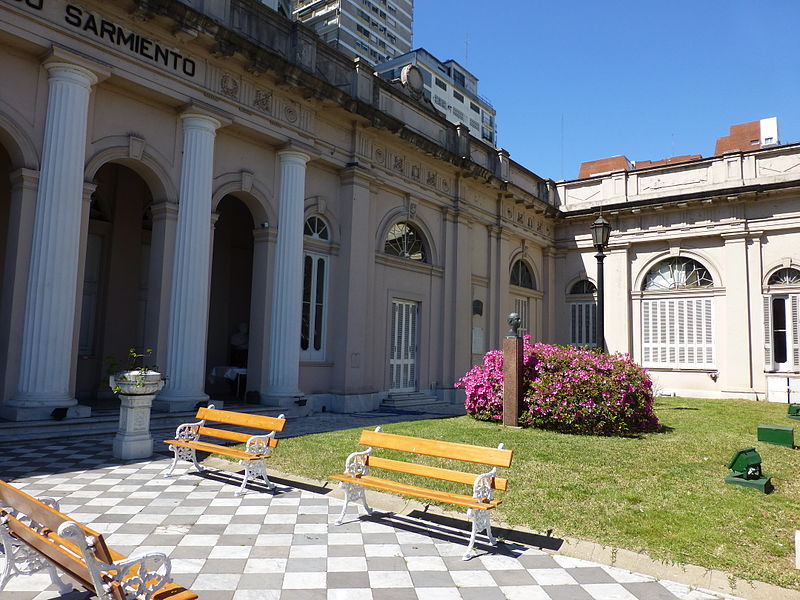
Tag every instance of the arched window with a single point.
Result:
(584, 286)
(316, 229)
(583, 313)
(787, 276)
(677, 318)
(316, 266)
(521, 276)
(675, 273)
(405, 241)
(782, 321)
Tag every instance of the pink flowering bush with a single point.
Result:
(567, 389)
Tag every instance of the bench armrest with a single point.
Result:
(139, 577)
(356, 463)
(189, 432)
(259, 444)
(482, 488)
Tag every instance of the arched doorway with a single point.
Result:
(229, 308)
(115, 278)
(5, 206)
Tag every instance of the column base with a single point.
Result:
(37, 411)
(297, 403)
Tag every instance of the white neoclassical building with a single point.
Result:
(174, 175)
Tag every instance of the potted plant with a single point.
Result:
(138, 379)
(136, 387)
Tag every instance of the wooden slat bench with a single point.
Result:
(37, 537)
(358, 475)
(253, 457)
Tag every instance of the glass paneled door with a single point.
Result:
(403, 355)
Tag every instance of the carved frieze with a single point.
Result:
(229, 86)
(263, 100)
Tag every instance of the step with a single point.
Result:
(106, 422)
(412, 401)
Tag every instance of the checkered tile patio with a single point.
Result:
(284, 545)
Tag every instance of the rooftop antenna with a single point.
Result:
(466, 50)
(562, 146)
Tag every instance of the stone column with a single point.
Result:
(24, 185)
(48, 331)
(287, 288)
(188, 313)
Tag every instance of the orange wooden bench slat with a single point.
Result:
(50, 518)
(172, 591)
(216, 449)
(399, 466)
(242, 419)
(233, 436)
(418, 492)
(452, 450)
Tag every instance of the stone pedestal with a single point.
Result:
(512, 381)
(133, 439)
(136, 390)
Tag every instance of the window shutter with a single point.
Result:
(795, 300)
(768, 366)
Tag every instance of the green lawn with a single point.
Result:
(662, 494)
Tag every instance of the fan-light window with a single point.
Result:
(405, 241)
(521, 276)
(676, 273)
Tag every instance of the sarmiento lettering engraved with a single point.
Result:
(37, 4)
(145, 47)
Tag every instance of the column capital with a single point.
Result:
(24, 178)
(62, 61)
(196, 119)
(166, 209)
(294, 154)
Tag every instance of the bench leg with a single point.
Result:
(259, 469)
(352, 493)
(480, 522)
(33, 563)
(63, 586)
(181, 453)
(246, 477)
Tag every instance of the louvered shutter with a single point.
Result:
(768, 365)
(795, 303)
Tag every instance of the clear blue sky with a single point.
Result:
(585, 79)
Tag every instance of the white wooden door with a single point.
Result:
(403, 354)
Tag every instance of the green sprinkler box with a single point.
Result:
(794, 411)
(776, 434)
(746, 470)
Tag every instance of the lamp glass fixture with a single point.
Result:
(601, 230)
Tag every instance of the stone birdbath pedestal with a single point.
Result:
(136, 389)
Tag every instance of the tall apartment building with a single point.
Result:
(451, 88)
(375, 30)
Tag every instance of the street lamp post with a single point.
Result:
(601, 230)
